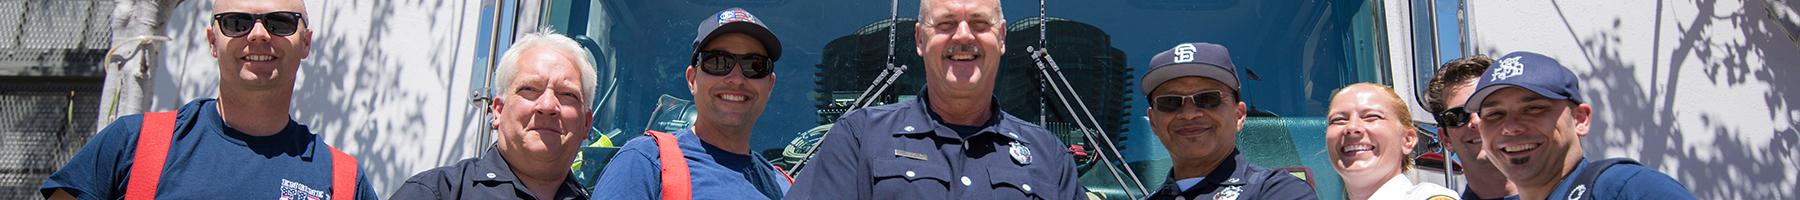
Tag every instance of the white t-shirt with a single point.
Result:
(1401, 188)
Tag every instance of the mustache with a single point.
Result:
(960, 48)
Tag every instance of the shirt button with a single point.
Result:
(909, 173)
(966, 181)
(908, 128)
(1027, 187)
(490, 175)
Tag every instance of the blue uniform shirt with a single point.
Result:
(635, 172)
(206, 160)
(900, 151)
(485, 177)
(1236, 179)
(1624, 181)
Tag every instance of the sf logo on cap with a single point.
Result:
(1509, 67)
(736, 15)
(1184, 53)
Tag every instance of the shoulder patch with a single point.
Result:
(1440, 197)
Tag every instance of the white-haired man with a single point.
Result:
(546, 83)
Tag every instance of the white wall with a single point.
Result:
(387, 81)
(1695, 88)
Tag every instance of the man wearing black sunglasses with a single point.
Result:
(952, 142)
(1454, 83)
(242, 145)
(1196, 113)
(731, 75)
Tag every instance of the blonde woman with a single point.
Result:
(1368, 140)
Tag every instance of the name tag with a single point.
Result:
(909, 154)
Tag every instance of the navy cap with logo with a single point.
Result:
(736, 20)
(1191, 59)
(1530, 71)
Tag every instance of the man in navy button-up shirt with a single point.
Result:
(952, 142)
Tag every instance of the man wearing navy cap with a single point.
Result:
(952, 142)
(1202, 138)
(1533, 118)
(731, 75)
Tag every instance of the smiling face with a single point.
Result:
(259, 60)
(1533, 140)
(961, 41)
(542, 116)
(1466, 140)
(1193, 133)
(731, 102)
(1367, 138)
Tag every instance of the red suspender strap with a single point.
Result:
(784, 174)
(152, 151)
(675, 181)
(343, 175)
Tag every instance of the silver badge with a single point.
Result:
(1020, 153)
(1229, 193)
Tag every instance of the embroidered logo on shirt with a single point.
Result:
(1229, 193)
(291, 190)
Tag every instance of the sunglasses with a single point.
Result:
(237, 24)
(1453, 118)
(719, 63)
(1209, 99)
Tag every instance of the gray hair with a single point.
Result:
(999, 11)
(548, 38)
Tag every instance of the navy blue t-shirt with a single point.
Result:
(1623, 181)
(206, 160)
(635, 172)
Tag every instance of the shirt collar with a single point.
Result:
(1394, 188)
(493, 167)
(918, 118)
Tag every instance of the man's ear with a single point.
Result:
(690, 79)
(494, 110)
(1002, 36)
(1241, 115)
(210, 47)
(306, 38)
(919, 38)
(1583, 116)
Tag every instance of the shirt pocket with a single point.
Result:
(1014, 183)
(905, 178)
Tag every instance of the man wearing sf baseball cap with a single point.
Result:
(1202, 139)
(1533, 118)
(731, 77)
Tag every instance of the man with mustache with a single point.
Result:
(1533, 118)
(541, 115)
(731, 75)
(242, 145)
(952, 142)
(1202, 139)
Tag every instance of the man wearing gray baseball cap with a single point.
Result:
(1202, 139)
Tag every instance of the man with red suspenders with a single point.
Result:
(242, 145)
(731, 75)
(541, 115)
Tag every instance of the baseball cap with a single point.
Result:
(1530, 71)
(736, 20)
(1191, 59)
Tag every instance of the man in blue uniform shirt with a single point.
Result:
(541, 115)
(1533, 118)
(952, 142)
(1454, 83)
(730, 75)
(1202, 138)
(242, 145)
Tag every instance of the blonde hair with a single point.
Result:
(1403, 114)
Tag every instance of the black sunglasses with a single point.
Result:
(1453, 118)
(719, 63)
(279, 23)
(1209, 99)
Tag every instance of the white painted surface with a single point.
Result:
(387, 81)
(1697, 89)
